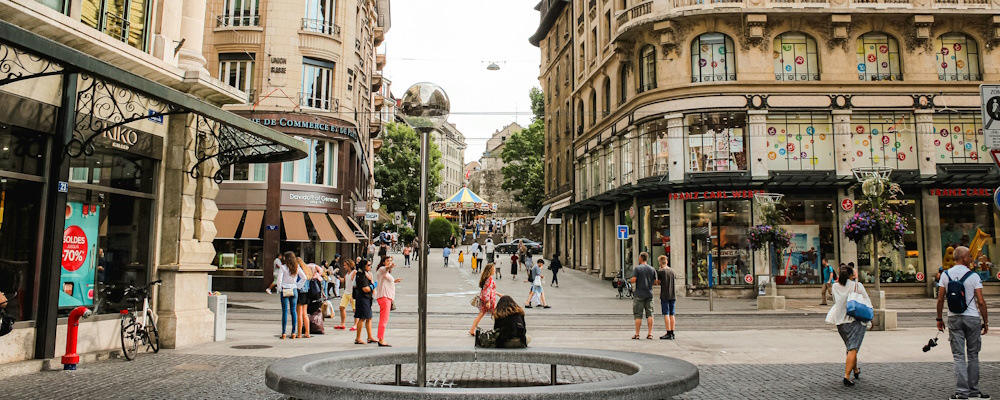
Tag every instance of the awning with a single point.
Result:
(251, 227)
(295, 226)
(541, 214)
(345, 230)
(322, 226)
(226, 223)
(359, 232)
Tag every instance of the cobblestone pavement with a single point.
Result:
(170, 375)
(461, 374)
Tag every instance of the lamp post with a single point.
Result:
(425, 107)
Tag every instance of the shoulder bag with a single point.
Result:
(858, 306)
(476, 301)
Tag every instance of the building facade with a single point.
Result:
(451, 142)
(310, 69)
(111, 140)
(669, 115)
(489, 180)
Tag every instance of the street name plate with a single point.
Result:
(372, 216)
(991, 114)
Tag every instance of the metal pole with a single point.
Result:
(878, 271)
(422, 265)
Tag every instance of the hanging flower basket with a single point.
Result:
(777, 236)
(887, 226)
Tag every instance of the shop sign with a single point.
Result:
(314, 198)
(278, 61)
(961, 192)
(316, 126)
(79, 255)
(731, 252)
(920, 276)
(130, 140)
(360, 208)
(372, 216)
(847, 204)
(712, 195)
(748, 278)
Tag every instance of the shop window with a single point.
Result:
(239, 13)
(970, 223)
(719, 229)
(716, 141)
(897, 265)
(609, 166)
(958, 139)
(595, 173)
(713, 58)
(321, 16)
(317, 84)
(655, 154)
(124, 20)
(655, 231)
(813, 225)
(647, 69)
(21, 150)
(885, 139)
(236, 70)
(957, 58)
(878, 58)
(800, 142)
(318, 165)
(795, 57)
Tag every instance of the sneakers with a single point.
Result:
(981, 395)
(665, 337)
(958, 396)
(527, 306)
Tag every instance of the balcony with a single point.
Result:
(379, 61)
(376, 145)
(309, 100)
(321, 26)
(237, 30)
(376, 81)
(379, 101)
(640, 10)
(379, 32)
(962, 4)
(882, 3)
(226, 21)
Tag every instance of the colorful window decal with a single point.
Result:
(800, 142)
(795, 57)
(878, 58)
(958, 139)
(713, 58)
(882, 139)
(957, 58)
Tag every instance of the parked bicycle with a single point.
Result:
(622, 284)
(138, 325)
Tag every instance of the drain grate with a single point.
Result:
(250, 347)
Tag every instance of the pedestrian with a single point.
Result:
(348, 298)
(490, 249)
(643, 279)
(416, 246)
(278, 262)
(967, 322)
(513, 266)
(385, 294)
(937, 280)
(406, 255)
(290, 275)
(447, 253)
(461, 259)
(522, 253)
(668, 295)
(475, 255)
(487, 296)
(304, 298)
(555, 266)
(395, 241)
(371, 251)
(508, 319)
(537, 292)
(335, 275)
(383, 249)
(852, 331)
(528, 262)
(363, 288)
(828, 278)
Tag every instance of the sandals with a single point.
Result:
(340, 327)
(384, 345)
(282, 336)
(353, 328)
(372, 341)
(359, 342)
(636, 337)
(650, 337)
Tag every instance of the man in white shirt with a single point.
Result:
(965, 327)
(490, 249)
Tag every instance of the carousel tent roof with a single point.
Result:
(464, 200)
(464, 196)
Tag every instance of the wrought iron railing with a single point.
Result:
(321, 26)
(116, 26)
(236, 20)
(318, 102)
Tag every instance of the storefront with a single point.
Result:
(968, 218)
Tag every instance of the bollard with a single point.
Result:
(71, 358)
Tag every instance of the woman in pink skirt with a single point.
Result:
(487, 296)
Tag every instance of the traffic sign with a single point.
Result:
(996, 199)
(377, 193)
(990, 95)
(372, 216)
(920, 276)
(398, 218)
(623, 232)
(748, 278)
(847, 204)
(376, 205)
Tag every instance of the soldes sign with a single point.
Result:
(74, 251)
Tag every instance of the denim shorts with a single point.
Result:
(667, 306)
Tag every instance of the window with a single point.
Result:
(317, 84)
(800, 142)
(713, 58)
(647, 69)
(607, 26)
(595, 172)
(957, 58)
(321, 16)
(320, 167)
(655, 154)
(124, 20)
(882, 139)
(245, 172)
(626, 160)
(622, 86)
(716, 141)
(609, 162)
(958, 139)
(878, 58)
(593, 108)
(581, 179)
(607, 97)
(795, 57)
(580, 114)
(239, 13)
(236, 70)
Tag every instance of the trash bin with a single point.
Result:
(217, 303)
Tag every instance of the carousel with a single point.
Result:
(464, 205)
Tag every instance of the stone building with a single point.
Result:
(310, 69)
(488, 181)
(451, 142)
(111, 140)
(669, 115)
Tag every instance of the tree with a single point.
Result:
(523, 172)
(397, 169)
(537, 103)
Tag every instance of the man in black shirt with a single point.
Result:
(643, 277)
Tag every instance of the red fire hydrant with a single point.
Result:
(71, 358)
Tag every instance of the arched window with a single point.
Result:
(622, 85)
(593, 107)
(878, 58)
(957, 58)
(795, 57)
(607, 97)
(713, 58)
(579, 113)
(647, 69)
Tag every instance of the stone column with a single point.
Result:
(842, 134)
(678, 153)
(933, 256)
(192, 32)
(925, 142)
(757, 156)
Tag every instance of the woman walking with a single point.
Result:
(363, 311)
(851, 330)
(385, 293)
(406, 255)
(555, 266)
(289, 277)
(487, 296)
(522, 251)
(348, 298)
(303, 300)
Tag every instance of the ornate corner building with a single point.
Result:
(311, 69)
(667, 116)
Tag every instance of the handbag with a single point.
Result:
(476, 301)
(859, 307)
(537, 281)
(287, 292)
(487, 339)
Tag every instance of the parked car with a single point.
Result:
(511, 247)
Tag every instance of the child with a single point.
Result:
(461, 259)
(447, 253)
(513, 265)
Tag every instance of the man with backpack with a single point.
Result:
(963, 290)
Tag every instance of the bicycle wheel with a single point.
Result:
(130, 339)
(151, 333)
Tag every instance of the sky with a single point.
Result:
(450, 43)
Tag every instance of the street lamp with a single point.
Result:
(873, 183)
(425, 107)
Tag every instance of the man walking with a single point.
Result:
(537, 291)
(668, 296)
(964, 291)
(643, 279)
(827, 281)
(490, 249)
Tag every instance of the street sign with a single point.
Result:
(376, 205)
(271, 227)
(990, 95)
(398, 218)
(996, 199)
(623, 232)
(847, 204)
(62, 187)
(920, 276)
(748, 278)
(360, 208)
(372, 216)
(553, 221)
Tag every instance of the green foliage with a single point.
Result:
(406, 235)
(397, 169)
(523, 170)
(439, 232)
(537, 103)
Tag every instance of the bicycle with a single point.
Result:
(137, 328)
(622, 284)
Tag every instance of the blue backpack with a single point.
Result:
(956, 294)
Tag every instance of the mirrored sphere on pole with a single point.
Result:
(425, 106)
